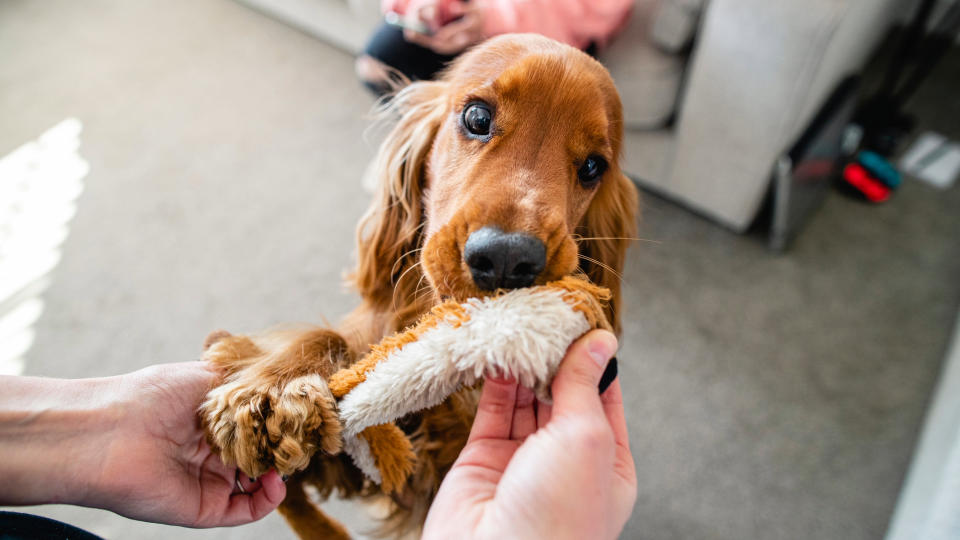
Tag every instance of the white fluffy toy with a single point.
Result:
(522, 334)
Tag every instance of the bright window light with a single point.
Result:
(39, 186)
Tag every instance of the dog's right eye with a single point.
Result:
(477, 119)
(591, 170)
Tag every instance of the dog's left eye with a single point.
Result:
(477, 118)
(592, 169)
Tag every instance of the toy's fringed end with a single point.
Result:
(586, 298)
(392, 454)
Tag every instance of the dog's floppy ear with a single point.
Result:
(389, 235)
(607, 229)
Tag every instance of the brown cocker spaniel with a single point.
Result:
(501, 174)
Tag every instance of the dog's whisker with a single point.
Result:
(413, 266)
(422, 293)
(586, 238)
(426, 291)
(419, 288)
(402, 257)
(602, 265)
(396, 287)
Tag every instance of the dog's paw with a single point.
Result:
(258, 424)
(215, 337)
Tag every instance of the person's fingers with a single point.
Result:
(524, 415)
(247, 507)
(575, 386)
(458, 9)
(612, 401)
(448, 32)
(461, 41)
(543, 413)
(272, 492)
(426, 14)
(440, 44)
(494, 410)
(245, 484)
(458, 33)
(487, 455)
(432, 42)
(413, 36)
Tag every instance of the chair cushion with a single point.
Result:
(675, 23)
(647, 76)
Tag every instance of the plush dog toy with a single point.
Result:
(522, 334)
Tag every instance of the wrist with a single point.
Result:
(53, 435)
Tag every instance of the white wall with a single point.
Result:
(929, 505)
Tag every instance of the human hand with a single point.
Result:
(131, 444)
(531, 470)
(158, 466)
(453, 29)
(422, 16)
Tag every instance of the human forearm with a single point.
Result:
(131, 444)
(53, 436)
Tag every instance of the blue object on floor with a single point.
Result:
(879, 168)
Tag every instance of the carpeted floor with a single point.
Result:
(769, 396)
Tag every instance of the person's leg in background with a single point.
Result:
(388, 55)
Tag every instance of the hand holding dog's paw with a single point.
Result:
(258, 423)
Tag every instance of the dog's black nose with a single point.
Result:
(500, 260)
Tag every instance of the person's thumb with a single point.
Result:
(575, 386)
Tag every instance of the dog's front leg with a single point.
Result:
(272, 407)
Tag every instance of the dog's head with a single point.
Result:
(504, 173)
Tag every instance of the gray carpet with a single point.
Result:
(768, 396)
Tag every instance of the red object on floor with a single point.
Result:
(858, 177)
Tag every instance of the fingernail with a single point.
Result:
(609, 375)
(602, 347)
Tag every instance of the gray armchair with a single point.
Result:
(757, 74)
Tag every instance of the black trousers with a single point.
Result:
(17, 526)
(417, 63)
(388, 45)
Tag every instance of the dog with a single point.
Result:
(503, 173)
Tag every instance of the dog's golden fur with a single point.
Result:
(553, 107)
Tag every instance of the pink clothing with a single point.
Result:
(575, 22)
